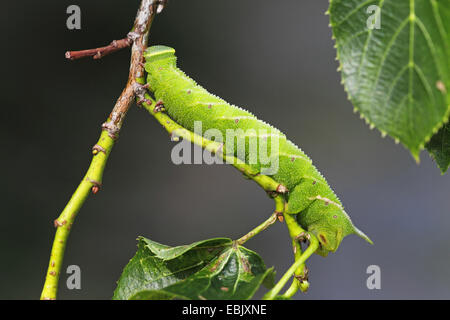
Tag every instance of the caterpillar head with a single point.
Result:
(329, 238)
(329, 223)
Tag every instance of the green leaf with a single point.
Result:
(397, 76)
(208, 269)
(439, 148)
(269, 280)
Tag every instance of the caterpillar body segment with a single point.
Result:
(317, 207)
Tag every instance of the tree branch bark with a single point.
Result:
(92, 181)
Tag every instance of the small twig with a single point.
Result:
(99, 53)
(110, 132)
(116, 45)
(279, 205)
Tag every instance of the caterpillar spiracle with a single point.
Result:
(318, 209)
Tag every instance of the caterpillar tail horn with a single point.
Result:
(363, 235)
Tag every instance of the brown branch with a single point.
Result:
(99, 53)
(116, 45)
(139, 37)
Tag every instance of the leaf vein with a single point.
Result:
(385, 55)
(351, 13)
(425, 83)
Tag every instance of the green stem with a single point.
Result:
(91, 181)
(279, 206)
(314, 244)
(292, 289)
(294, 231)
(294, 228)
(299, 273)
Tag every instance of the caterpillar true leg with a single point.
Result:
(159, 106)
(140, 90)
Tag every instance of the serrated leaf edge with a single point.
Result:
(421, 146)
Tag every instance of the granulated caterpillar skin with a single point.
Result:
(318, 209)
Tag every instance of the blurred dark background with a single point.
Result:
(275, 58)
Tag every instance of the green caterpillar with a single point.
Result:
(318, 209)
